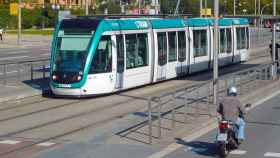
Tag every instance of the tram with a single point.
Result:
(92, 56)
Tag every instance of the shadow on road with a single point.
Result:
(199, 147)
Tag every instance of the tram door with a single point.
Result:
(120, 61)
(162, 55)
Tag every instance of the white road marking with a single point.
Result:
(45, 54)
(17, 52)
(270, 154)
(16, 57)
(10, 142)
(46, 144)
(238, 152)
(10, 72)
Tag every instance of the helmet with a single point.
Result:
(232, 91)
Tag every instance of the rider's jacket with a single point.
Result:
(230, 108)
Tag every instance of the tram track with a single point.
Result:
(10, 107)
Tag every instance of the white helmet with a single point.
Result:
(232, 91)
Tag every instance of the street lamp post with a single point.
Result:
(262, 12)
(56, 8)
(215, 67)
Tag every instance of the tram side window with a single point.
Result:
(241, 38)
(225, 41)
(136, 50)
(181, 46)
(172, 44)
(120, 53)
(200, 43)
(102, 60)
(162, 48)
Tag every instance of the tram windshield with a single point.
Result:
(71, 53)
(72, 44)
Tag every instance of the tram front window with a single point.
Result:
(70, 58)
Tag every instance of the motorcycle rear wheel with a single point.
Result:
(223, 152)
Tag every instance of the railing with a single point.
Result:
(177, 107)
(13, 73)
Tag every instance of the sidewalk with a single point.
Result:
(14, 90)
(109, 141)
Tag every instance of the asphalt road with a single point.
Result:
(262, 133)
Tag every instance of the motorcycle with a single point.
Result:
(227, 139)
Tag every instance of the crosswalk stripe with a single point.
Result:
(270, 154)
(10, 142)
(238, 152)
(46, 144)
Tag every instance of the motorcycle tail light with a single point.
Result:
(223, 125)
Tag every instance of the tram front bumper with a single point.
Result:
(74, 92)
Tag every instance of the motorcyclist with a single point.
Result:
(231, 109)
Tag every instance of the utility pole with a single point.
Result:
(259, 7)
(19, 23)
(215, 66)
(200, 8)
(87, 7)
(177, 7)
(255, 7)
(234, 7)
(139, 7)
(274, 66)
(157, 7)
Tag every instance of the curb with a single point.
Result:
(206, 127)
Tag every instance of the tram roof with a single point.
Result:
(146, 23)
(202, 22)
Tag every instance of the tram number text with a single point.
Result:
(141, 24)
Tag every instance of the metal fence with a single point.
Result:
(179, 106)
(14, 73)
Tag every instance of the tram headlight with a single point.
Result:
(54, 77)
(79, 77)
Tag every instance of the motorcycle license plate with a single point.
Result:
(222, 137)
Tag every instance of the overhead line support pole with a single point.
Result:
(215, 66)
(19, 23)
(274, 66)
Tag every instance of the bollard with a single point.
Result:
(18, 72)
(5, 75)
(173, 112)
(31, 71)
(196, 104)
(186, 107)
(150, 119)
(159, 119)
(44, 74)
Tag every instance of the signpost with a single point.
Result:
(15, 10)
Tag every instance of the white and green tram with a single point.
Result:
(92, 56)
